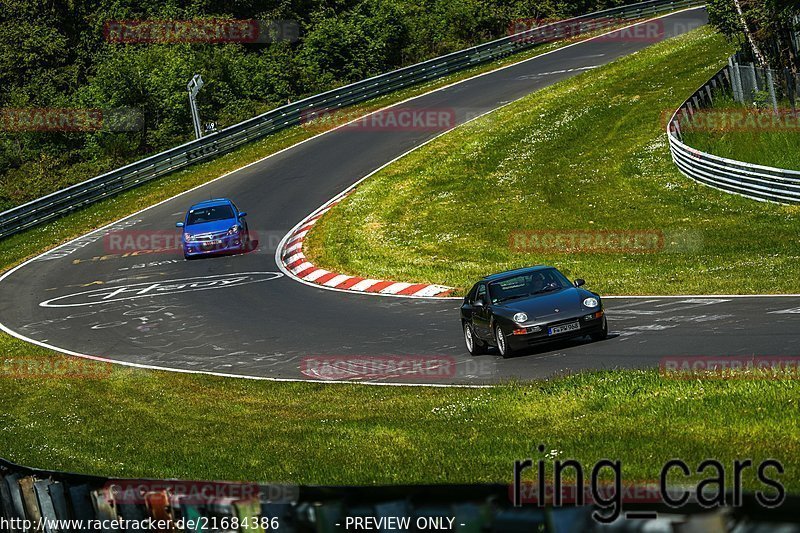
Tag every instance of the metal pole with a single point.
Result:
(753, 79)
(771, 88)
(193, 87)
(736, 82)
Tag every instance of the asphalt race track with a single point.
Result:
(239, 315)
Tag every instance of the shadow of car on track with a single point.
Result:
(251, 247)
(553, 346)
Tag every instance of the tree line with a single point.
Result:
(57, 54)
(766, 29)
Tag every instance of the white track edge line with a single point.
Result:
(5, 329)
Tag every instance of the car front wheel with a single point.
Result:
(502, 344)
(474, 346)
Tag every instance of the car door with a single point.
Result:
(480, 313)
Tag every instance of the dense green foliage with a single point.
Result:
(53, 54)
(766, 24)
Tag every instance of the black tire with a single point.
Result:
(502, 346)
(603, 333)
(474, 346)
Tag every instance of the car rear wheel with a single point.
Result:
(474, 346)
(602, 334)
(502, 345)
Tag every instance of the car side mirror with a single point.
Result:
(478, 303)
(243, 214)
(579, 282)
(179, 224)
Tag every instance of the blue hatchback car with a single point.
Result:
(214, 227)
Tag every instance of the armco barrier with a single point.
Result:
(129, 176)
(745, 179)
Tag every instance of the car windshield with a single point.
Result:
(528, 284)
(209, 214)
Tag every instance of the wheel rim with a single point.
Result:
(501, 342)
(468, 336)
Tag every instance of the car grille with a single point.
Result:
(210, 236)
(563, 321)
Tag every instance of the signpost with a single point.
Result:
(194, 86)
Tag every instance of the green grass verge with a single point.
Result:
(128, 422)
(587, 154)
(778, 147)
(136, 423)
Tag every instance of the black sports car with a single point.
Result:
(519, 308)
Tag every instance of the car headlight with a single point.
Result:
(519, 318)
(187, 237)
(591, 302)
(234, 229)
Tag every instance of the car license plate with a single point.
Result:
(563, 328)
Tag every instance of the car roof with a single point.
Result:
(211, 203)
(515, 272)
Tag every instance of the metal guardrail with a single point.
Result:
(85, 193)
(766, 184)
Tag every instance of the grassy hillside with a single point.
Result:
(773, 146)
(587, 155)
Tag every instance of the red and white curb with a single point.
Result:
(296, 265)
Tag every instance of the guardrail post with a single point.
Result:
(736, 81)
(753, 78)
(789, 87)
(771, 88)
(194, 86)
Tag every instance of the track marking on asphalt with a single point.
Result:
(69, 247)
(792, 311)
(696, 318)
(697, 301)
(160, 288)
(554, 72)
(154, 367)
(679, 305)
(650, 327)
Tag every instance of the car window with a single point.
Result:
(481, 294)
(527, 284)
(209, 214)
(471, 294)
